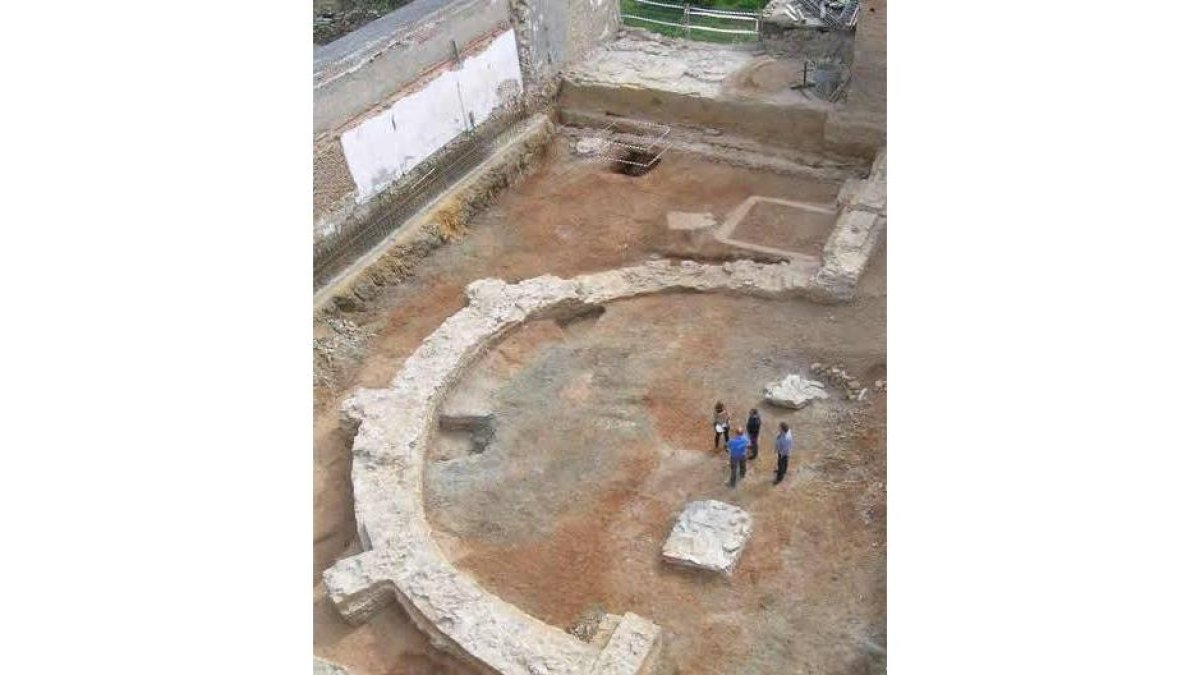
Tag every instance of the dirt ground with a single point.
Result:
(602, 439)
(785, 227)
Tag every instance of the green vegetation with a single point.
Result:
(632, 9)
(744, 5)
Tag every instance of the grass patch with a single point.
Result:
(643, 16)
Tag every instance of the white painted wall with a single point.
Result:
(387, 146)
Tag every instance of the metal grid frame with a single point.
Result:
(614, 150)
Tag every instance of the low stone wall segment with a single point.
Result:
(855, 235)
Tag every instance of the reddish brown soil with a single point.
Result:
(569, 217)
(602, 440)
(785, 227)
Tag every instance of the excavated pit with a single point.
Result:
(635, 163)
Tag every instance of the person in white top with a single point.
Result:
(720, 425)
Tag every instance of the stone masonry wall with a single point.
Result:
(553, 33)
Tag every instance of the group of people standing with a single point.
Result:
(745, 442)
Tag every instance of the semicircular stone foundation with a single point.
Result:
(402, 560)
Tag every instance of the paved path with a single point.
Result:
(331, 59)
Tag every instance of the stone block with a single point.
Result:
(794, 392)
(871, 196)
(632, 648)
(709, 535)
(848, 190)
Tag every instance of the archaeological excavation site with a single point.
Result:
(549, 238)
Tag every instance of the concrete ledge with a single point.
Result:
(393, 432)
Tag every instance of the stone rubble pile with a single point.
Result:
(838, 377)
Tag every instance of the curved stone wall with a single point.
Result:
(402, 559)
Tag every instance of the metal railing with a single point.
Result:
(688, 20)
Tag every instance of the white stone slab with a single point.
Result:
(794, 391)
(709, 535)
(680, 220)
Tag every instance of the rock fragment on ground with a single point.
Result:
(794, 392)
(709, 535)
(323, 667)
(681, 220)
(840, 378)
(590, 146)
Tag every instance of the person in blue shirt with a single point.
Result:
(737, 456)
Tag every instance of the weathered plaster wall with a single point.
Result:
(388, 145)
(590, 22)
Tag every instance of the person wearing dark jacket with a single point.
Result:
(737, 457)
(752, 426)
